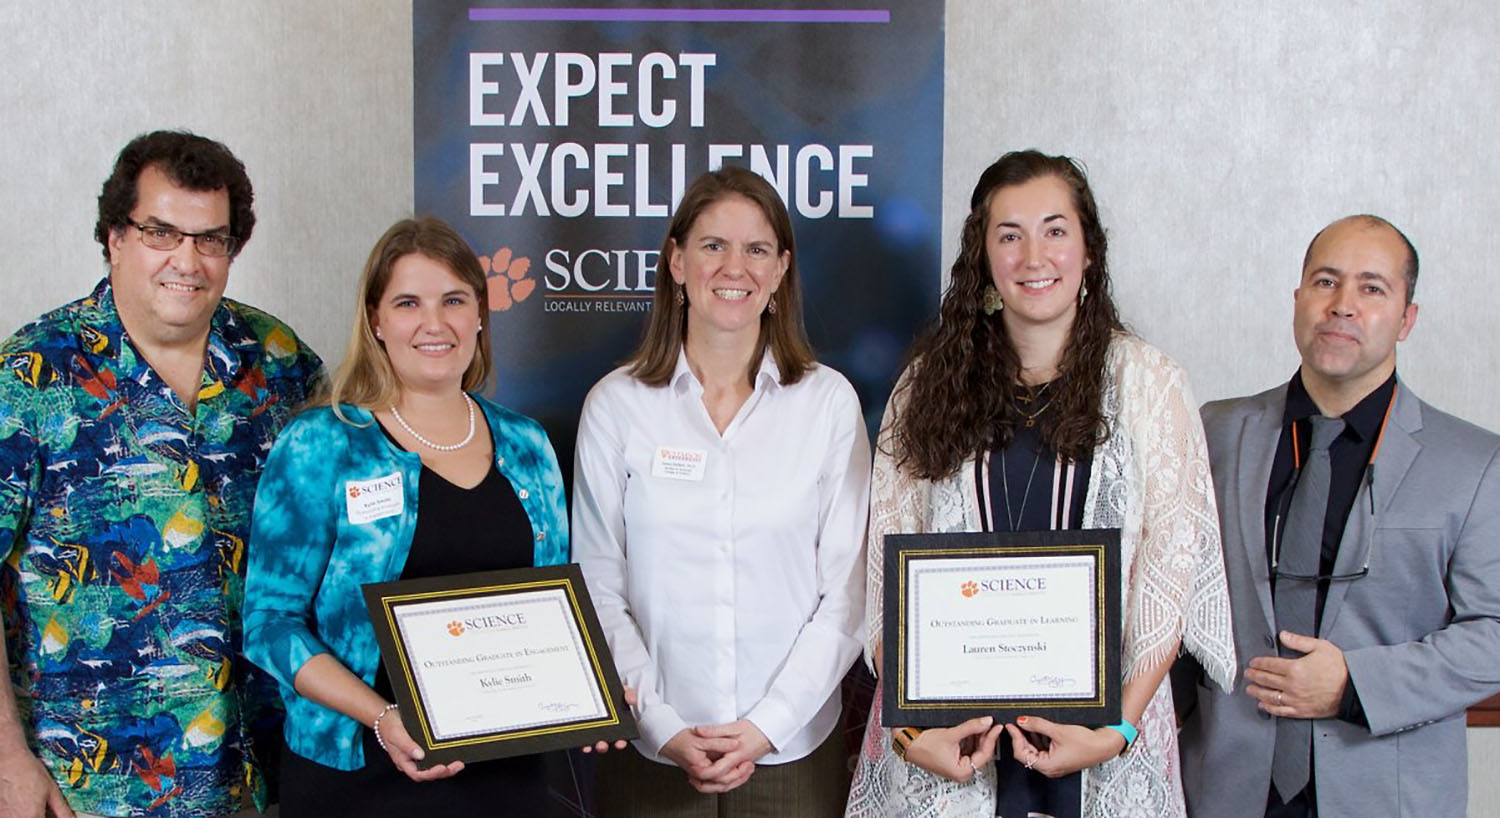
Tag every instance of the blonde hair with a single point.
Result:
(365, 378)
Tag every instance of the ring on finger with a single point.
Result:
(1278, 698)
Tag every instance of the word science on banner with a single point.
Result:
(558, 139)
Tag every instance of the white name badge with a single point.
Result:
(369, 500)
(676, 463)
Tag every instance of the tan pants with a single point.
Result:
(632, 786)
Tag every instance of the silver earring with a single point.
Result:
(379, 335)
(677, 295)
(771, 305)
(479, 329)
(992, 302)
(1083, 292)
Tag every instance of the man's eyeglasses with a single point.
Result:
(161, 237)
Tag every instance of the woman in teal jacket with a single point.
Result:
(402, 474)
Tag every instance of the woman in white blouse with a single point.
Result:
(719, 508)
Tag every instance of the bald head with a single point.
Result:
(1371, 222)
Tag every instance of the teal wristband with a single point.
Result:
(1126, 729)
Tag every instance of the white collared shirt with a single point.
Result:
(727, 571)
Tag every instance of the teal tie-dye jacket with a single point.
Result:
(312, 547)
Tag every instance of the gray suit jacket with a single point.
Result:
(1420, 633)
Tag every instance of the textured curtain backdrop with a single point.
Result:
(314, 98)
(1221, 137)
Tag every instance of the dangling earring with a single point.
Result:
(1083, 292)
(771, 305)
(677, 295)
(992, 302)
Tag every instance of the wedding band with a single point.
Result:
(1278, 698)
(1029, 763)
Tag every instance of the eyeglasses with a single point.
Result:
(1278, 528)
(161, 237)
(1277, 575)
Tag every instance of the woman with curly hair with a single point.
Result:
(1029, 407)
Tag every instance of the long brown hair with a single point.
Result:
(964, 370)
(781, 329)
(366, 378)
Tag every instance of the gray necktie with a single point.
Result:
(1297, 599)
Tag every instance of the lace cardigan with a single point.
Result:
(1151, 480)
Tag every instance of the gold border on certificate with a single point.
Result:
(384, 600)
(1100, 545)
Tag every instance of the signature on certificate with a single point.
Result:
(1053, 682)
(559, 707)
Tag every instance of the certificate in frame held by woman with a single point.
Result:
(1002, 624)
(498, 663)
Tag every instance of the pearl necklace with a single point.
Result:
(429, 444)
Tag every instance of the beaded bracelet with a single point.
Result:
(375, 725)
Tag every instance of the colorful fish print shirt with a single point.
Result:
(123, 521)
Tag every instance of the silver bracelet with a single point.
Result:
(375, 725)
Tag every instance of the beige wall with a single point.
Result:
(1219, 139)
(314, 97)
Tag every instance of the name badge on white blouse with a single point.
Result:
(675, 463)
(369, 500)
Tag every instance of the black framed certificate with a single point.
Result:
(498, 663)
(1002, 624)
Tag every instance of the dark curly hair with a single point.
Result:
(190, 161)
(964, 372)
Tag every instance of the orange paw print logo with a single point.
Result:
(969, 588)
(353, 492)
(456, 628)
(506, 279)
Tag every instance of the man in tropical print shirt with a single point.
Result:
(133, 426)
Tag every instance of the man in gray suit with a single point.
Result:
(1362, 544)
